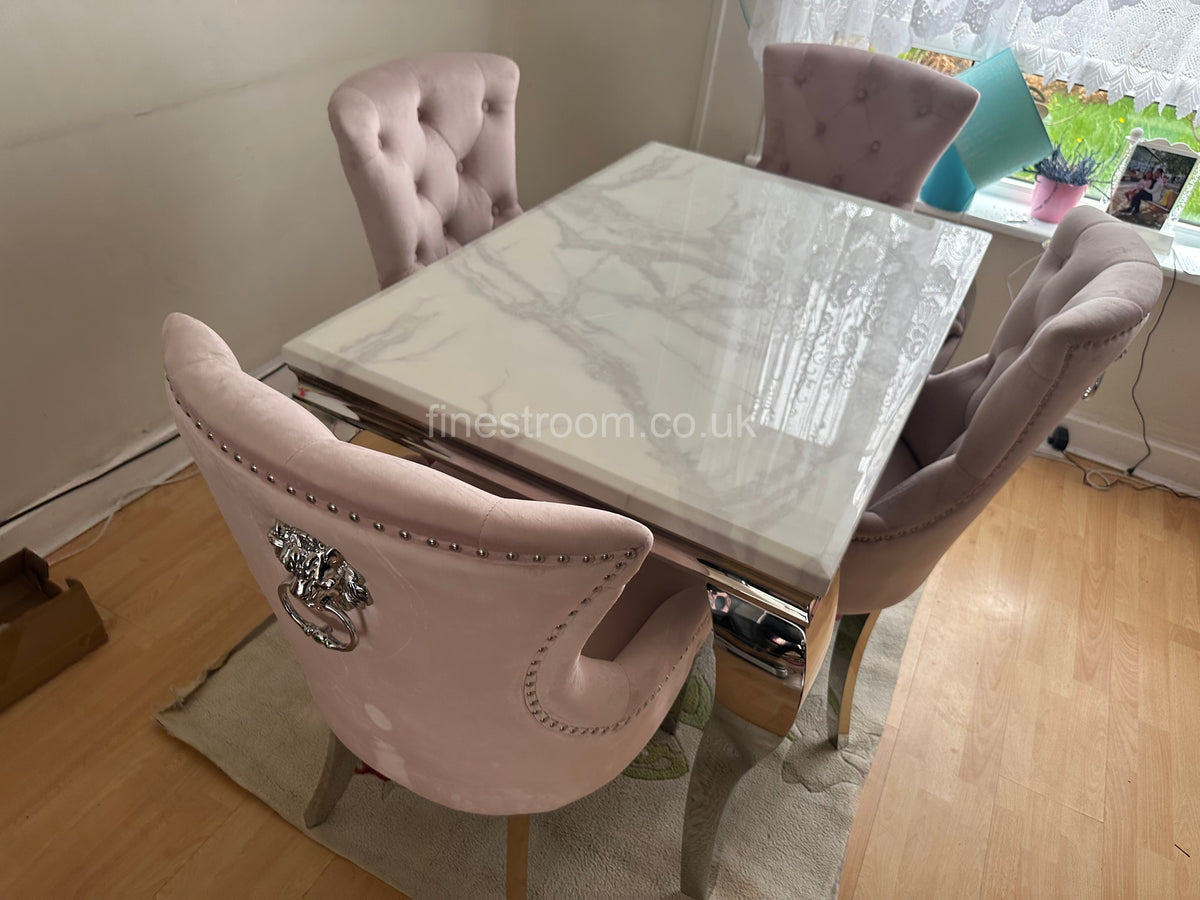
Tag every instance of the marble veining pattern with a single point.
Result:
(671, 287)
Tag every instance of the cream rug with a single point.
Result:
(784, 833)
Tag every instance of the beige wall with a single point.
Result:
(601, 78)
(161, 156)
(168, 156)
(1170, 382)
(735, 104)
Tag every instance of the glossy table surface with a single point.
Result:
(724, 354)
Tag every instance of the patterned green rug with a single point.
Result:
(784, 833)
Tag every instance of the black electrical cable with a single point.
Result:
(1142, 365)
(63, 493)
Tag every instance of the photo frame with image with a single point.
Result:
(1153, 182)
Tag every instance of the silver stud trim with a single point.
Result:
(533, 701)
(403, 534)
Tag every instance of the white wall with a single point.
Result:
(167, 156)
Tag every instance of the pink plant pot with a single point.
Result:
(1052, 199)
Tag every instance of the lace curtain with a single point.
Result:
(1145, 49)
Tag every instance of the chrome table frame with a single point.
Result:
(767, 635)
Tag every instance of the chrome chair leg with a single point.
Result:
(340, 764)
(849, 642)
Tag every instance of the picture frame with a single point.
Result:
(1152, 182)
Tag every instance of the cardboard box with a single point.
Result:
(43, 628)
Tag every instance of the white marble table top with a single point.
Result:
(721, 353)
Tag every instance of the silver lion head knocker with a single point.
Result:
(322, 580)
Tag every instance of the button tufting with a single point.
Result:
(886, 196)
(495, 211)
(924, 110)
(445, 229)
(459, 165)
(861, 94)
(486, 106)
(820, 128)
(800, 79)
(875, 145)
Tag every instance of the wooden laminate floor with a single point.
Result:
(1043, 741)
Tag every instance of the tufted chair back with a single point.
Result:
(860, 122)
(428, 145)
(490, 673)
(975, 424)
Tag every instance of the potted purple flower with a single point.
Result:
(1061, 183)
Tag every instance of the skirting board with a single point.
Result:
(48, 528)
(1173, 465)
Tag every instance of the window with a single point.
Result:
(1079, 120)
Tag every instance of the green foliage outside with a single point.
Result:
(1088, 123)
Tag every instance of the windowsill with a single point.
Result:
(1003, 208)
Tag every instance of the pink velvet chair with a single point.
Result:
(496, 656)
(975, 424)
(862, 123)
(428, 145)
(859, 122)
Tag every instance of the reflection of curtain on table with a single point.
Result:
(1145, 49)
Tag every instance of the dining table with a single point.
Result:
(723, 354)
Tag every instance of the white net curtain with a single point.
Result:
(1145, 49)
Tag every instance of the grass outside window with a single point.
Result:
(1081, 121)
